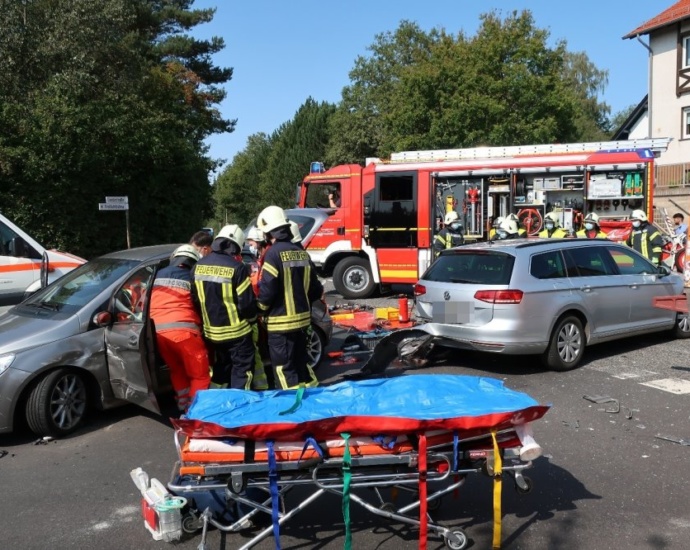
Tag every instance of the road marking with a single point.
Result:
(671, 385)
(637, 374)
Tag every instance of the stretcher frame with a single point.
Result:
(399, 471)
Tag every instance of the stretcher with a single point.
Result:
(241, 454)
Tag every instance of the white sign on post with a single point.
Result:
(112, 206)
(117, 200)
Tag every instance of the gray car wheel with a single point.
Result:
(567, 345)
(316, 346)
(682, 328)
(57, 405)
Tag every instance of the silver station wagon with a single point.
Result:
(552, 297)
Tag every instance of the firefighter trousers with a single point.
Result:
(185, 353)
(289, 359)
(235, 361)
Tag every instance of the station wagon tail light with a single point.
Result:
(419, 290)
(499, 296)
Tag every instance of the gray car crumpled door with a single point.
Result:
(126, 342)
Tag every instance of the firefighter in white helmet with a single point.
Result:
(522, 232)
(255, 242)
(451, 234)
(296, 235)
(508, 230)
(224, 293)
(494, 227)
(552, 227)
(287, 288)
(591, 229)
(179, 328)
(645, 238)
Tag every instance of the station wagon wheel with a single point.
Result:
(57, 405)
(567, 345)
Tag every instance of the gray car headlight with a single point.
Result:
(6, 361)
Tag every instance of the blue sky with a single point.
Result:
(283, 52)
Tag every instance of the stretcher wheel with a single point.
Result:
(387, 507)
(434, 505)
(457, 540)
(190, 523)
(525, 487)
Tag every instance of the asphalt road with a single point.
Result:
(605, 480)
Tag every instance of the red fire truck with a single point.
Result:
(384, 216)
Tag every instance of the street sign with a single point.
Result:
(112, 206)
(117, 200)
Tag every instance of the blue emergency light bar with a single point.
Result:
(316, 168)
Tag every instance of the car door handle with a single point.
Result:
(133, 340)
(586, 288)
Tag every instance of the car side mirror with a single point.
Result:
(664, 270)
(103, 319)
(18, 247)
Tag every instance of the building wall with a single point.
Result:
(666, 107)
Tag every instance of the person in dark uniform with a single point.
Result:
(287, 287)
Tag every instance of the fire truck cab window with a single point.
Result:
(323, 195)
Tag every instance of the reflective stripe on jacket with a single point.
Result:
(171, 301)
(647, 241)
(224, 293)
(287, 287)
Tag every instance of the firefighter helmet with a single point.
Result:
(270, 218)
(638, 215)
(255, 234)
(296, 235)
(497, 222)
(451, 217)
(186, 251)
(592, 217)
(553, 217)
(513, 217)
(509, 226)
(232, 232)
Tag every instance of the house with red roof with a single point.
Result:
(666, 110)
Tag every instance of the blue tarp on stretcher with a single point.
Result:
(391, 406)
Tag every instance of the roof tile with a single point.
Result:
(677, 12)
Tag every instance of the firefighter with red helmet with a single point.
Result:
(287, 288)
(644, 237)
(178, 326)
(224, 293)
(591, 229)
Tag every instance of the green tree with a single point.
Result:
(503, 86)
(106, 98)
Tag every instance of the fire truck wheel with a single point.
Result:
(352, 278)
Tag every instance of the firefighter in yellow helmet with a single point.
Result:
(552, 227)
(591, 229)
(644, 237)
(228, 308)
(451, 234)
(287, 288)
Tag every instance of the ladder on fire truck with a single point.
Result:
(656, 145)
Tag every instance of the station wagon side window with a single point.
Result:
(629, 263)
(549, 265)
(589, 261)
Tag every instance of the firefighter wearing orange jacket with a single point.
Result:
(178, 327)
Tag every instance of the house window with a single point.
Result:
(686, 52)
(686, 123)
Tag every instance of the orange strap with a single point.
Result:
(423, 527)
